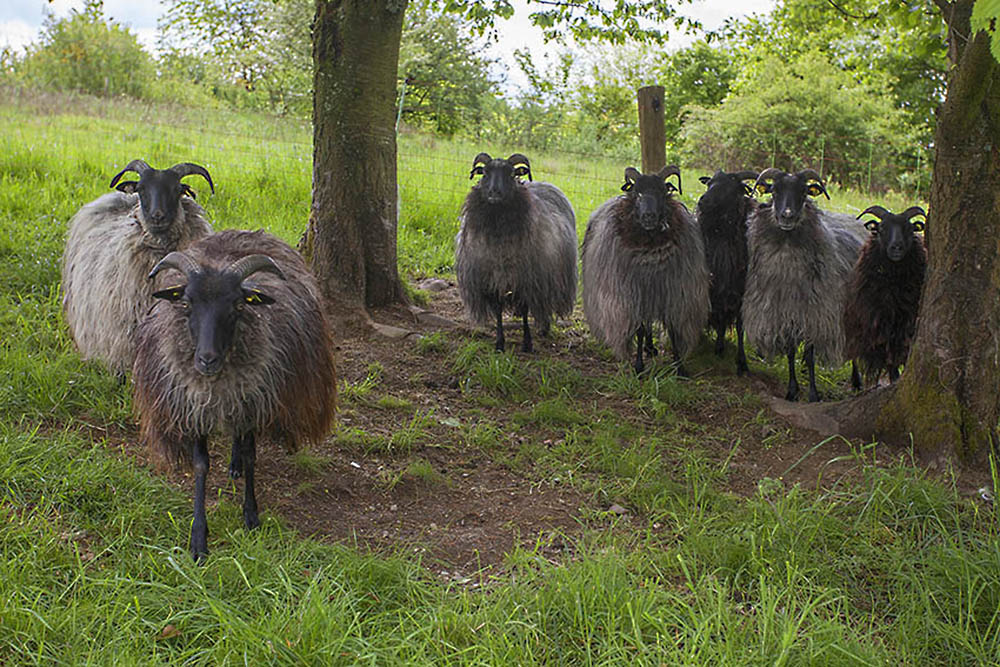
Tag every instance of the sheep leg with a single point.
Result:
(639, 339)
(793, 383)
(500, 341)
(199, 526)
(235, 460)
(810, 359)
(681, 371)
(893, 373)
(720, 340)
(855, 376)
(741, 355)
(526, 341)
(650, 346)
(248, 449)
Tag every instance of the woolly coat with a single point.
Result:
(724, 232)
(523, 251)
(278, 377)
(880, 313)
(107, 257)
(633, 277)
(796, 281)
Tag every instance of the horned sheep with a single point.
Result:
(516, 248)
(883, 295)
(113, 243)
(643, 262)
(221, 351)
(800, 261)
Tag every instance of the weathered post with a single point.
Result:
(652, 131)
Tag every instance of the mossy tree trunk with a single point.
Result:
(948, 399)
(351, 236)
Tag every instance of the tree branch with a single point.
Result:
(863, 17)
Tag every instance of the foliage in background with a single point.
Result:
(798, 114)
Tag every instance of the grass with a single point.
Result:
(886, 567)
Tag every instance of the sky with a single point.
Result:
(21, 20)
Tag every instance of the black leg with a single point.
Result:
(500, 340)
(720, 340)
(526, 341)
(681, 371)
(810, 358)
(855, 376)
(793, 383)
(893, 373)
(248, 449)
(651, 350)
(639, 340)
(741, 355)
(199, 527)
(235, 460)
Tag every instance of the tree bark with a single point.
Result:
(948, 400)
(351, 237)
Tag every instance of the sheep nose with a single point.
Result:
(207, 363)
(156, 216)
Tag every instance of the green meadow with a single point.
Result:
(886, 566)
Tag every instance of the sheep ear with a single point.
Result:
(872, 226)
(747, 190)
(816, 189)
(174, 293)
(128, 187)
(704, 179)
(254, 297)
(670, 188)
(918, 225)
(522, 170)
(477, 170)
(764, 188)
(186, 190)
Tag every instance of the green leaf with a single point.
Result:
(984, 17)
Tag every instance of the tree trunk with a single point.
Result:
(948, 399)
(351, 237)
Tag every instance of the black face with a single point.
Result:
(650, 194)
(789, 193)
(159, 196)
(212, 302)
(723, 189)
(895, 235)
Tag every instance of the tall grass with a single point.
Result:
(889, 567)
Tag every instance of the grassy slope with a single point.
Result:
(892, 569)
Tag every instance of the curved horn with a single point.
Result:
(671, 170)
(877, 211)
(138, 166)
(813, 175)
(183, 169)
(632, 174)
(516, 160)
(176, 260)
(482, 158)
(745, 175)
(771, 172)
(912, 211)
(245, 267)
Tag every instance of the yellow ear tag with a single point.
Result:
(762, 189)
(814, 190)
(253, 298)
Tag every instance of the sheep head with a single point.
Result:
(159, 190)
(723, 188)
(212, 301)
(500, 177)
(788, 193)
(650, 194)
(895, 232)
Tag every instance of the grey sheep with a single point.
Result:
(516, 248)
(113, 243)
(220, 351)
(800, 261)
(644, 262)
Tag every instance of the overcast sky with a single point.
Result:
(21, 20)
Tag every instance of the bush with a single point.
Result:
(88, 53)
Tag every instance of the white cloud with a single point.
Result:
(15, 34)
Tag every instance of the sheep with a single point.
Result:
(722, 213)
(515, 248)
(113, 243)
(644, 261)
(800, 261)
(219, 351)
(883, 295)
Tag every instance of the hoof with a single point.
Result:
(251, 520)
(235, 470)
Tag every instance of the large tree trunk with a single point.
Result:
(949, 397)
(351, 237)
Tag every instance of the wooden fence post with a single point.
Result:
(652, 131)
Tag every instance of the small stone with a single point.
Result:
(393, 507)
(618, 509)
(433, 285)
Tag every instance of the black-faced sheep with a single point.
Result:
(800, 261)
(883, 295)
(516, 248)
(722, 215)
(644, 262)
(113, 243)
(220, 351)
